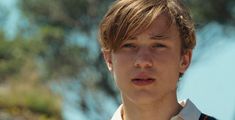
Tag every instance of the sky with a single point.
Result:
(13, 17)
(209, 81)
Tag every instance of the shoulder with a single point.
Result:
(191, 112)
(206, 117)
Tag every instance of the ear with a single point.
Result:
(185, 61)
(108, 59)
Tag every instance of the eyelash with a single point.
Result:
(128, 45)
(159, 46)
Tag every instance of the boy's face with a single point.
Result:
(147, 67)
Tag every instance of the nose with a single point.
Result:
(143, 59)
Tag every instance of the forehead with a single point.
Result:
(162, 26)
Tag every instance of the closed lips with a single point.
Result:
(143, 79)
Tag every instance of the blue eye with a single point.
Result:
(128, 45)
(159, 46)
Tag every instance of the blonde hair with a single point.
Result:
(127, 18)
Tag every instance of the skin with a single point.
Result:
(156, 54)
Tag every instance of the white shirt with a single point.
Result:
(189, 112)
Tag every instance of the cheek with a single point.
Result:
(168, 59)
(170, 65)
(121, 67)
(122, 61)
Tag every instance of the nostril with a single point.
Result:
(143, 60)
(143, 63)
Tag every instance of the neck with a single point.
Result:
(161, 109)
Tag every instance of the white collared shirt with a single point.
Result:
(189, 112)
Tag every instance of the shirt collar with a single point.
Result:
(189, 112)
(118, 114)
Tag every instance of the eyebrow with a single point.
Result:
(153, 37)
(159, 37)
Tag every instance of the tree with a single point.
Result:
(204, 12)
(61, 26)
(23, 96)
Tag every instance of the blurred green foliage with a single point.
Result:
(66, 14)
(22, 95)
(45, 51)
(221, 11)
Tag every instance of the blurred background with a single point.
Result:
(51, 67)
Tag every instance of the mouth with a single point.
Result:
(142, 81)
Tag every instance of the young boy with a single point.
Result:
(147, 46)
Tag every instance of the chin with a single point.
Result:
(142, 98)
